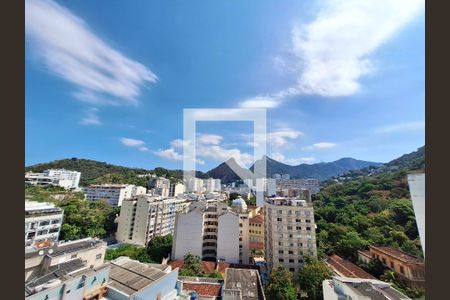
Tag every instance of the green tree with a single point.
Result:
(280, 285)
(132, 251)
(160, 247)
(192, 266)
(311, 276)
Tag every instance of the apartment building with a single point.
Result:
(176, 189)
(313, 185)
(256, 232)
(144, 217)
(159, 186)
(60, 177)
(290, 232)
(194, 185)
(212, 231)
(409, 269)
(212, 185)
(113, 194)
(42, 222)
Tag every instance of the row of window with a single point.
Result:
(279, 219)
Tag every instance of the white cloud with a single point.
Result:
(402, 127)
(132, 142)
(259, 102)
(320, 146)
(336, 49)
(219, 153)
(177, 143)
(291, 161)
(280, 137)
(209, 139)
(169, 154)
(70, 50)
(143, 148)
(91, 117)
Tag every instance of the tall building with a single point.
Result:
(144, 217)
(113, 194)
(212, 185)
(212, 231)
(313, 185)
(290, 232)
(160, 186)
(42, 222)
(256, 230)
(176, 189)
(61, 177)
(417, 190)
(194, 185)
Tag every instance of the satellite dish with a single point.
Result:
(50, 251)
(41, 252)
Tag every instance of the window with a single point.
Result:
(392, 264)
(298, 228)
(280, 260)
(98, 256)
(291, 252)
(291, 269)
(56, 221)
(280, 251)
(42, 232)
(308, 228)
(298, 220)
(289, 227)
(31, 235)
(402, 270)
(279, 219)
(280, 211)
(53, 230)
(291, 261)
(44, 223)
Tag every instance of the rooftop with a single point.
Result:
(345, 268)
(202, 288)
(245, 280)
(62, 248)
(258, 219)
(130, 276)
(398, 254)
(283, 201)
(35, 208)
(370, 288)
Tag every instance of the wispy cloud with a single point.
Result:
(169, 154)
(70, 50)
(134, 143)
(320, 146)
(333, 52)
(91, 117)
(292, 161)
(401, 127)
(276, 138)
(209, 139)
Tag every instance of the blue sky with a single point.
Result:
(108, 80)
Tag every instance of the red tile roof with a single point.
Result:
(258, 219)
(207, 266)
(345, 268)
(203, 289)
(397, 254)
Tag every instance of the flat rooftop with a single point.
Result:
(64, 248)
(130, 276)
(371, 288)
(247, 281)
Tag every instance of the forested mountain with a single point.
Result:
(93, 171)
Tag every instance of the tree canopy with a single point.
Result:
(311, 276)
(280, 285)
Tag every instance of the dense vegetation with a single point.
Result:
(81, 218)
(193, 267)
(157, 249)
(280, 285)
(101, 172)
(369, 210)
(311, 276)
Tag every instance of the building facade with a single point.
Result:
(144, 217)
(290, 232)
(42, 222)
(113, 194)
(313, 185)
(256, 232)
(159, 186)
(60, 177)
(212, 231)
(176, 189)
(409, 269)
(417, 190)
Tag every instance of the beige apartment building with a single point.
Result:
(213, 231)
(290, 232)
(144, 217)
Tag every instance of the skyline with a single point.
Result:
(120, 87)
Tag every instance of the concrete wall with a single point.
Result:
(228, 238)
(188, 236)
